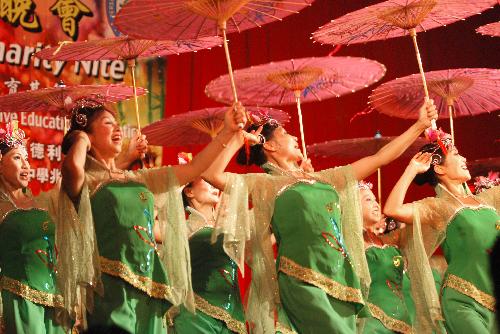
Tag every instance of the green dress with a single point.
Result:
(386, 299)
(467, 294)
(466, 234)
(136, 287)
(27, 277)
(318, 287)
(215, 283)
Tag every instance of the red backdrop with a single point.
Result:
(454, 46)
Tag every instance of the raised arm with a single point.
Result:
(212, 152)
(394, 205)
(368, 165)
(73, 166)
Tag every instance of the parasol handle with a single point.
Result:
(413, 34)
(132, 69)
(301, 124)
(230, 67)
(451, 110)
(379, 186)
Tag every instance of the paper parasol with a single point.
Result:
(492, 29)
(61, 98)
(395, 18)
(125, 48)
(181, 19)
(357, 148)
(200, 126)
(456, 93)
(298, 80)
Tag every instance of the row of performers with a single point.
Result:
(112, 247)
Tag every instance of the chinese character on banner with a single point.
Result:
(70, 12)
(34, 85)
(32, 174)
(42, 174)
(55, 175)
(12, 84)
(37, 151)
(20, 12)
(54, 152)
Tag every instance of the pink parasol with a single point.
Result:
(492, 29)
(456, 92)
(61, 98)
(179, 19)
(395, 18)
(200, 126)
(297, 81)
(357, 148)
(125, 48)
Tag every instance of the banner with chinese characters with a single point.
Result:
(27, 26)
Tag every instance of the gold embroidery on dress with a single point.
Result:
(470, 290)
(220, 314)
(145, 284)
(389, 322)
(28, 293)
(328, 285)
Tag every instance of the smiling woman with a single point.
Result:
(113, 229)
(27, 253)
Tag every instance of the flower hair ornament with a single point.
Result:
(365, 185)
(482, 183)
(259, 119)
(441, 140)
(12, 136)
(184, 158)
(80, 105)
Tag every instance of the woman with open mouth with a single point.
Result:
(466, 226)
(321, 268)
(27, 253)
(110, 261)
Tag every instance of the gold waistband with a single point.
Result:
(389, 322)
(28, 293)
(220, 314)
(470, 290)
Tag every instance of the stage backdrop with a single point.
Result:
(28, 26)
(454, 46)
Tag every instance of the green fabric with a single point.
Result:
(27, 240)
(214, 278)
(464, 315)
(124, 306)
(474, 231)
(199, 323)
(312, 311)
(27, 255)
(410, 305)
(124, 218)
(386, 291)
(374, 326)
(24, 317)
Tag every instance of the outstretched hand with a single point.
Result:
(427, 113)
(421, 162)
(137, 147)
(235, 118)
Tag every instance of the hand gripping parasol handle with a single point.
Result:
(413, 34)
(230, 66)
(301, 124)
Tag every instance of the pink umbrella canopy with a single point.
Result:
(315, 79)
(396, 18)
(191, 19)
(61, 98)
(200, 126)
(492, 29)
(357, 148)
(456, 93)
(124, 47)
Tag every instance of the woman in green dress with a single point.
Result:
(319, 266)
(110, 246)
(386, 301)
(27, 254)
(466, 227)
(214, 274)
